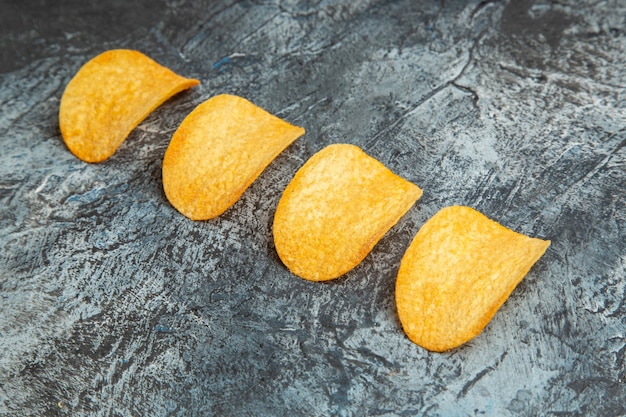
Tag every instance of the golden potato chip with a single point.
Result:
(109, 96)
(336, 208)
(455, 275)
(220, 148)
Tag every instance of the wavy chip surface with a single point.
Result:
(336, 208)
(109, 96)
(457, 272)
(220, 148)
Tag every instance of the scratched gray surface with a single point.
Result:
(113, 304)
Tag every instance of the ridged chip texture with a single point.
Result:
(109, 96)
(458, 271)
(336, 208)
(220, 148)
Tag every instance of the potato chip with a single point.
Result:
(218, 151)
(455, 275)
(109, 96)
(336, 208)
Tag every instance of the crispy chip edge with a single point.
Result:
(184, 83)
(368, 246)
(438, 346)
(298, 132)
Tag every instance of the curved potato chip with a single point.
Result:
(458, 271)
(336, 208)
(220, 148)
(109, 96)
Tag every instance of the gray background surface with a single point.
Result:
(114, 304)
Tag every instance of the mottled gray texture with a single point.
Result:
(113, 304)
